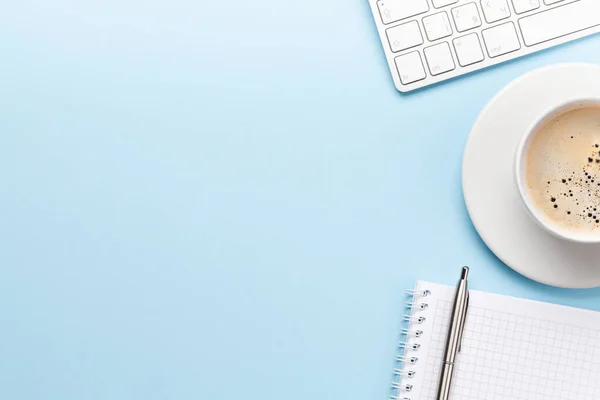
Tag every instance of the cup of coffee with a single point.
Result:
(558, 170)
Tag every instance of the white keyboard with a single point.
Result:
(429, 41)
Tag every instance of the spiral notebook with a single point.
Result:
(511, 349)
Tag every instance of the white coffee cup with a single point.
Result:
(538, 215)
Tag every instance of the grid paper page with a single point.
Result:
(512, 349)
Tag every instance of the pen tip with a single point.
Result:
(465, 273)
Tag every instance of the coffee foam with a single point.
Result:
(562, 170)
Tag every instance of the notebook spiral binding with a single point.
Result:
(408, 344)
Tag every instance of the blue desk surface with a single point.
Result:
(225, 200)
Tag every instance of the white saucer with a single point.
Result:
(489, 187)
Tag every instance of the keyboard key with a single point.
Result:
(495, 10)
(501, 39)
(466, 17)
(549, 2)
(410, 67)
(439, 58)
(468, 49)
(560, 21)
(395, 10)
(437, 26)
(404, 36)
(443, 3)
(522, 6)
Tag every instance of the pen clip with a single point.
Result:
(462, 323)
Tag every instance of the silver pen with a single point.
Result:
(455, 333)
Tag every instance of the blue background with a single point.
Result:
(219, 200)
